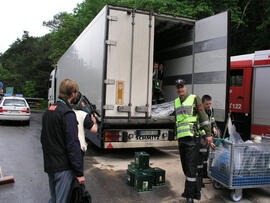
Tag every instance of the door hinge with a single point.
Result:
(109, 82)
(141, 109)
(123, 108)
(108, 107)
(112, 18)
(111, 43)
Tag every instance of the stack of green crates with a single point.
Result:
(141, 176)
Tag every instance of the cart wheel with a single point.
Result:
(216, 185)
(236, 195)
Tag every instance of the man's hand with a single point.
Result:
(93, 119)
(209, 140)
(215, 132)
(213, 146)
(81, 180)
(94, 128)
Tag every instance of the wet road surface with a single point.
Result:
(105, 172)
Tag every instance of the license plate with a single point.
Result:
(147, 135)
(13, 111)
(147, 132)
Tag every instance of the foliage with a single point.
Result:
(30, 89)
(27, 60)
(27, 64)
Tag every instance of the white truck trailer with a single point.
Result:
(112, 61)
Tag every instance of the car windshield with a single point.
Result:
(14, 102)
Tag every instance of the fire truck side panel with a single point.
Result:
(261, 98)
(240, 96)
(241, 80)
(261, 101)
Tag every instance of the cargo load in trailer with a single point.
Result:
(112, 61)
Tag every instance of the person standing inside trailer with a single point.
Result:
(156, 84)
(190, 116)
(63, 159)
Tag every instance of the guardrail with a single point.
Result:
(34, 102)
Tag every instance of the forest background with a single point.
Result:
(27, 64)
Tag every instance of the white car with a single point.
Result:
(14, 109)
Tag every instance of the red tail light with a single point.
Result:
(26, 111)
(3, 110)
(112, 136)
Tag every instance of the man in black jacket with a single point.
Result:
(61, 147)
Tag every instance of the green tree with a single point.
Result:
(27, 60)
(30, 89)
(26, 65)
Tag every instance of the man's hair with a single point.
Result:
(67, 87)
(206, 97)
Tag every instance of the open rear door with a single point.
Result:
(211, 61)
(129, 64)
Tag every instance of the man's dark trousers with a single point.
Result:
(60, 184)
(189, 155)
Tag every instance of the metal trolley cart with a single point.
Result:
(239, 166)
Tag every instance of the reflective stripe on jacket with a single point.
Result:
(185, 120)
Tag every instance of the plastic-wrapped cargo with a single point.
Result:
(234, 135)
(163, 110)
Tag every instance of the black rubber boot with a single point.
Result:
(190, 200)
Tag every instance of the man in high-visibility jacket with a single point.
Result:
(190, 118)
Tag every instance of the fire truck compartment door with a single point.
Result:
(261, 97)
(211, 61)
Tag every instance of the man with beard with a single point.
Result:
(62, 153)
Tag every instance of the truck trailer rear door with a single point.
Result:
(211, 64)
(128, 77)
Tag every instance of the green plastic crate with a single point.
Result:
(143, 181)
(130, 177)
(158, 176)
(142, 160)
(132, 165)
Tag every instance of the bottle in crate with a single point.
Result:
(158, 176)
(143, 181)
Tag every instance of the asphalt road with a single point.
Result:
(105, 172)
(21, 156)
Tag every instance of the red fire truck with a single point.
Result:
(250, 93)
